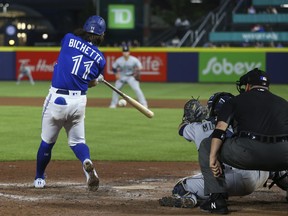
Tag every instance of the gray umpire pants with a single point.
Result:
(241, 153)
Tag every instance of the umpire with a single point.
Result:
(260, 142)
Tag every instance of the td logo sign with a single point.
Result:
(121, 16)
(228, 67)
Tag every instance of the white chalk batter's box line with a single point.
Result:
(27, 185)
(34, 198)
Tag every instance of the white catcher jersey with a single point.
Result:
(197, 131)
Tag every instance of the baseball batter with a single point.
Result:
(79, 66)
(127, 70)
(239, 182)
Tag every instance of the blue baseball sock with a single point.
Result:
(43, 158)
(81, 151)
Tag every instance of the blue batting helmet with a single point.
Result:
(216, 101)
(95, 25)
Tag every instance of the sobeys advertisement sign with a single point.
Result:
(228, 67)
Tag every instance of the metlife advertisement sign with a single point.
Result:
(154, 65)
(228, 66)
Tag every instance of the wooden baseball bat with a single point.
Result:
(131, 101)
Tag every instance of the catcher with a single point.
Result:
(127, 69)
(198, 122)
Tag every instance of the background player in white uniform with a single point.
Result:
(127, 69)
(239, 182)
(25, 70)
(79, 66)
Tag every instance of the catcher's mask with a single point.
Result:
(216, 101)
(253, 77)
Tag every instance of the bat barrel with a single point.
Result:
(131, 101)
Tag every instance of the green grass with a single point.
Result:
(152, 90)
(112, 134)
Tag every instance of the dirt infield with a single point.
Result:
(126, 188)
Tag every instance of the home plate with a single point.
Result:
(134, 187)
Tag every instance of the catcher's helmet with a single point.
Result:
(253, 77)
(216, 101)
(95, 25)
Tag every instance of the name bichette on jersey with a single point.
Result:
(84, 48)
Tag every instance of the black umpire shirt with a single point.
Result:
(258, 111)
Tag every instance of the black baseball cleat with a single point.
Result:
(215, 204)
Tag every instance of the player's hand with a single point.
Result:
(215, 166)
(100, 78)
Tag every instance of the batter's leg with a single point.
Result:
(43, 158)
(49, 136)
(75, 130)
(76, 140)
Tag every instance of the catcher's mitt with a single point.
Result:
(194, 111)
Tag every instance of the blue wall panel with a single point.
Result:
(7, 65)
(182, 67)
(276, 66)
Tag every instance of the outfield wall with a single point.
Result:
(162, 64)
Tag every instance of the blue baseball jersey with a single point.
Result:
(78, 63)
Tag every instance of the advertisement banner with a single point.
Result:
(154, 65)
(247, 36)
(121, 16)
(40, 63)
(228, 66)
